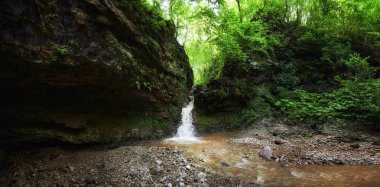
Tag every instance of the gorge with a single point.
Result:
(188, 93)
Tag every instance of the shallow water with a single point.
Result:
(242, 161)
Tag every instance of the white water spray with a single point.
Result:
(186, 130)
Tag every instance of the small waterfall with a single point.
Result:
(186, 129)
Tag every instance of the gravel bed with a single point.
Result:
(124, 166)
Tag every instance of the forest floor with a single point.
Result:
(221, 160)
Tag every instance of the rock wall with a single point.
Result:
(219, 103)
(88, 71)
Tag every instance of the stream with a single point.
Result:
(242, 161)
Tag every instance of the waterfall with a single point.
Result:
(186, 129)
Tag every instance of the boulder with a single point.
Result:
(266, 153)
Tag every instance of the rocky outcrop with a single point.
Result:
(219, 103)
(88, 71)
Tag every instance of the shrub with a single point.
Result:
(360, 67)
(287, 77)
(257, 109)
(354, 101)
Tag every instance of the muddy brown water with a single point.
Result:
(242, 161)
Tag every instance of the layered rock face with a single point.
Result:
(219, 103)
(88, 71)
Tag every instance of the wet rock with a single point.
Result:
(266, 153)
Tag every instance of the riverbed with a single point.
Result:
(242, 161)
(215, 160)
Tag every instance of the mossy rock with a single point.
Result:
(217, 122)
(88, 72)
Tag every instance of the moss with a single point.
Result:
(217, 122)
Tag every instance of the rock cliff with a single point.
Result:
(88, 71)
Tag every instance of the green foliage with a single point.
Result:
(61, 50)
(154, 21)
(287, 78)
(218, 122)
(362, 70)
(320, 45)
(335, 52)
(353, 101)
(257, 110)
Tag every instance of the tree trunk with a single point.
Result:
(239, 7)
(298, 12)
(286, 11)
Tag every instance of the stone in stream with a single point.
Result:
(266, 153)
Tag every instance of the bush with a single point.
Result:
(257, 110)
(360, 67)
(287, 77)
(354, 101)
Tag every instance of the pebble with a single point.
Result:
(202, 176)
(284, 164)
(224, 164)
(71, 168)
(188, 167)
